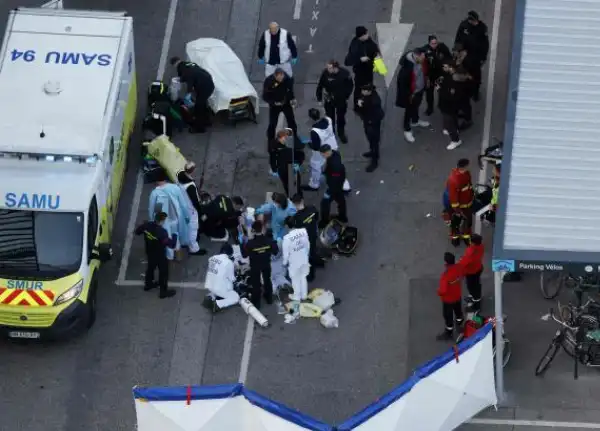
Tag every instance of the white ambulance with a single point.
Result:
(67, 111)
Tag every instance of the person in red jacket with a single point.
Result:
(450, 293)
(460, 195)
(472, 265)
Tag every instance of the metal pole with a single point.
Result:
(499, 337)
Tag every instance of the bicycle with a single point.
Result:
(552, 283)
(580, 339)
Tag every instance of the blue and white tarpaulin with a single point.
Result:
(439, 396)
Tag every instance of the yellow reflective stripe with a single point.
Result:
(44, 297)
(5, 294)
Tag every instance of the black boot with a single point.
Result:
(372, 166)
(150, 286)
(167, 293)
(367, 155)
(447, 335)
(455, 242)
(343, 137)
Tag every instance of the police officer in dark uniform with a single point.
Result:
(278, 93)
(307, 217)
(335, 175)
(259, 250)
(371, 112)
(436, 53)
(473, 35)
(219, 215)
(157, 240)
(201, 83)
(333, 90)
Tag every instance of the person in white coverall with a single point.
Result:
(296, 250)
(220, 278)
(186, 182)
(322, 133)
(170, 199)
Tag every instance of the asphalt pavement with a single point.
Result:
(389, 315)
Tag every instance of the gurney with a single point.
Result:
(234, 92)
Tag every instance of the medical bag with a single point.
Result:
(341, 238)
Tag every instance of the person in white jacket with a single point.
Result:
(296, 249)
(220, 278)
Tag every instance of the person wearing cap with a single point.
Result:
(335, 176)
(156, 241)
(307, 217)
(412, 82)
(436, 54)
(200, 82)
(371, 112)
(278, 93)
(260, 249)
(472, 33)
(277, 50)
(333, 90)
(170, 199)
(220, 279)
(186, 182)
(286, 158)
(361, 54)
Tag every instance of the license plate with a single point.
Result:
(19, 334)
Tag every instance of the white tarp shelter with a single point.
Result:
(226, 69)
(439, 396)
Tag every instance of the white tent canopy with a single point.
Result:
(439, 396)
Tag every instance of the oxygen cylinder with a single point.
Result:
(253, 312)
(175, 89)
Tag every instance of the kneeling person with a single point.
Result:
(296, 250)
(220, 279)
(219, 215)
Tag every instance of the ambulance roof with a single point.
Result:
(56, 74)
(46, 186)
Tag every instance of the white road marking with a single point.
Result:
(396, 10)
(245, 363)
(137, 194)
(177, 284)
(313, 30)
(310, 49)
(295, 38)
(315, 15)
(525, 423)
(489, 95)
(297, 9)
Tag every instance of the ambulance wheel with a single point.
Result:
(91, 306)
